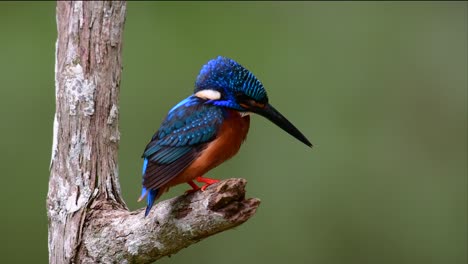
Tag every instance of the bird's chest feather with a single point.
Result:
(232, 134)
(227, 143)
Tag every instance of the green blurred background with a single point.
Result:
(379, 88)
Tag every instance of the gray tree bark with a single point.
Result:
(89, 221)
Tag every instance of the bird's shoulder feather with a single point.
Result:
(182, 136)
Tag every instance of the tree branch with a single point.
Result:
(88, 219)
(119, 236)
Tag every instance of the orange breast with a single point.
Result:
(226, 144)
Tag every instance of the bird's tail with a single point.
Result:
(151, 196)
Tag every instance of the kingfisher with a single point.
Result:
(206, 129)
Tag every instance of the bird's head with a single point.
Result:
(226, 83)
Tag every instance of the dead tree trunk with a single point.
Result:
(88, 219)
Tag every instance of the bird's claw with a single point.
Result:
(207, 181)
(194, 187)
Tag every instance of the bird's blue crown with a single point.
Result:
(229, 78)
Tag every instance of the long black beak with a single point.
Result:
(276, 117)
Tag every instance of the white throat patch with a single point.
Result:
(208, 94)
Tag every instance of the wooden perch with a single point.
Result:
(89, 221)
(117, 236)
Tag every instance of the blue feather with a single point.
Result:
(186, 101)
(145, 164)
(183, 127)
(229, 77)
(151, 194)
(150, 200)
(143, 191)
(184, 133)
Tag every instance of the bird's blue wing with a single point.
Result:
(183, 135)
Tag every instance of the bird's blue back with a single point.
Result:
(188, 124)
(182, 136)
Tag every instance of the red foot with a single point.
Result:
(208, 182)
(194, 187)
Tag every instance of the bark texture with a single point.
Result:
(88, 219)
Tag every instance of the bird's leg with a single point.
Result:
(194, 187)
(208, 181)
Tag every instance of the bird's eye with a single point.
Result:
(247, 102)
(241, 97)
